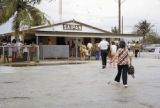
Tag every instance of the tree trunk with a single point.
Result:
(17, 31)
(17, 34)
(144, 39)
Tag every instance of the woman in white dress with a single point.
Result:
(113, 49)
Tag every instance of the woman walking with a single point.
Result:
(113, 50)
(122, 63)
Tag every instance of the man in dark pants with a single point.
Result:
(104, 58)
(104, 45)
(136, 48)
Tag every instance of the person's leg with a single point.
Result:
(89, 54)
(136, 53)
(124, 74)
(12, 56)
(96, 57)
(25, 56)
(4, 58)
(118, 76)
(84, 56)
(103, 59)
(114, 63)
(7, 57)
(31, 56)
(15, 56)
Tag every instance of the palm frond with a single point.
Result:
(38, 17)
(8, 11)
(22, 18)
(33, 2)
(143, 27)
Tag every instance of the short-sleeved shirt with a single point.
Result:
(113, 49)
(122, 54)
(14, 47)
(89, 46)
(103, 45)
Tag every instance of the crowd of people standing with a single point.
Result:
(17, 50)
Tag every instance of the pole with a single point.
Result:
(37, 40)
(122, 24)
(60, 10)
(119, 15)
(76, 48)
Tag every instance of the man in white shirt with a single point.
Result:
(104, 45)
(89, 47)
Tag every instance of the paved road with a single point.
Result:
(79, 86)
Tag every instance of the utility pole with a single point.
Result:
(60, 10)
(122, 25)
(119, 15)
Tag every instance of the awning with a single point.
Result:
(85, 34)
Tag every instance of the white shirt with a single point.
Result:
(89, 45)
(114, 49)
(103, 45)
(25, 49)
(19, 44)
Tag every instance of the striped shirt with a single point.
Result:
(122, 56)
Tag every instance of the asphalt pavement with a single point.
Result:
(82, 85)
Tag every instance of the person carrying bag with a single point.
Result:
(122, 63)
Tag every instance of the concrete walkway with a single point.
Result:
(79, 86)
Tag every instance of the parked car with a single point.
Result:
(151, 47)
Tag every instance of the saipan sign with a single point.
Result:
(72, 27)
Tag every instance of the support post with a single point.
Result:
(76, 47)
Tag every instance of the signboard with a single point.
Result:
(72, 27)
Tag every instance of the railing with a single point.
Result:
(9, 54)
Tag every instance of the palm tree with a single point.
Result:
(144, 28)
(22, 11)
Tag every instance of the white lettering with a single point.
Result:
(72, 27)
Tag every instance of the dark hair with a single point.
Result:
(122, 44)
(14, 41)
(113, 43)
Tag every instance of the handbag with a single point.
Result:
(131, 70)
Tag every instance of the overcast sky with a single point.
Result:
(102, 13)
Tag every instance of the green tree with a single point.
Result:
(153, 38)
(22, 12)
(144, 28)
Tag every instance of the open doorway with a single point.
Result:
(60, 41)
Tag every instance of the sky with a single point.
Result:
(101, 13)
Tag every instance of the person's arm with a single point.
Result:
(115, 57)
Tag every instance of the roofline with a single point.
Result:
(88, 34)
(75, 22)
